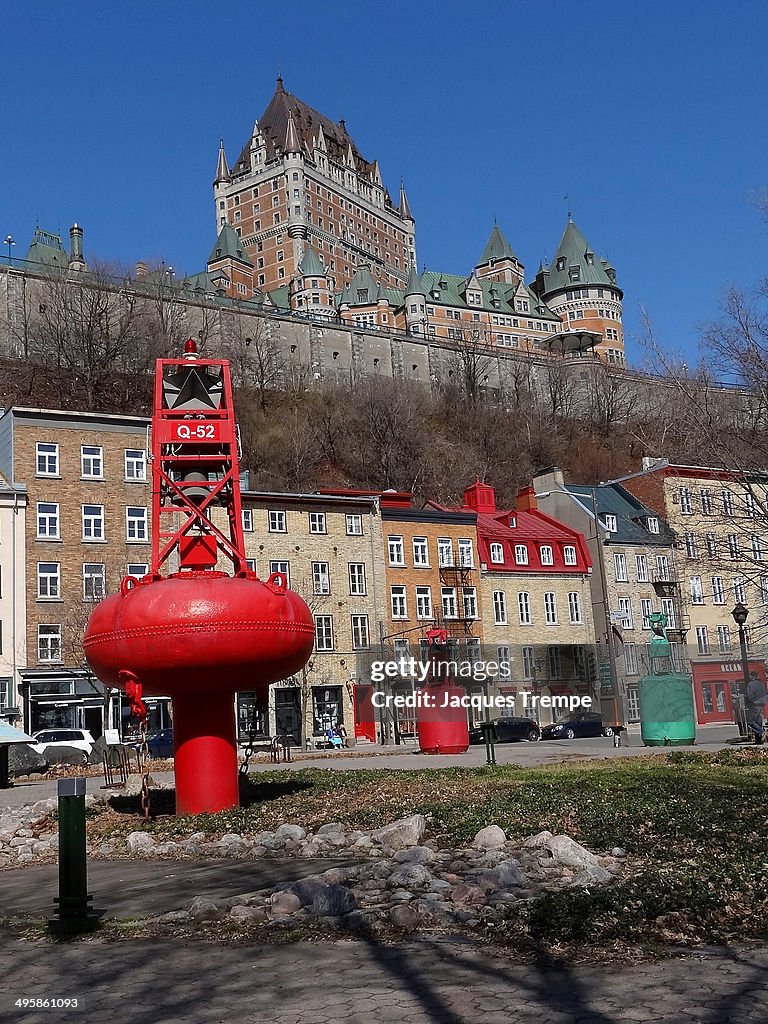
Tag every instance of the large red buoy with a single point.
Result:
(198, 635)
(441, 714)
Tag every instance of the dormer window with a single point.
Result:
(590, 258)
(561, 263)
(653, 524)
(497, 554)
(611, 524)
(362, 294)
(574, 273)
(512, 521)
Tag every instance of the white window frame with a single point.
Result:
(574, 607)
(321, 578)
(686, 507)
(570, 556)
(641, 565)
(469, 602)
(90, 592)
(49, 583)
(324, 633)
(49, 453)
(445, 553)
(466, 553)
(135, 465)
(702, 640)
(396, 550)
(276, 522)
(546, 554)
(424, 603)
(646, 611)
(49, 642)
(499, 608)
(621, 573)
(739, 590)
(247, 518)
(420, 547)
(47, 518)
(550, 608)
(448, 603)
(137, 569)
(611, 523)
(357, 582)
(398, 601)
(524, 607)
(354, 524)
(317, 522)
(91, 459)
(691, 547)
(280, 565)
(138, 525)
(496, 552)
(625, 610)
(696, 589)
(361, 637)
(521, 554)
(653, 524)
(668, 611)
(529, 663)
(718, 590)
(92, 522)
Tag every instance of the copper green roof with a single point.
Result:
(576, 264)
(496, 248)
(497, 297)
(311, 264)
(362, 290)
(229, 245)
(47, 250)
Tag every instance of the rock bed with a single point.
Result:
(395, 877)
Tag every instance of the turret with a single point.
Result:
(415, 299)
(408, 223)
(310, 289)
(76, 258)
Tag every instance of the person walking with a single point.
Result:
(757, 697)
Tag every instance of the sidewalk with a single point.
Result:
(420, 982)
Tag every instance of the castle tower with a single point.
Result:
(300, 180)
(230, 268)
(310, 289)
(415, 298)
(498, 261)
(581, 289)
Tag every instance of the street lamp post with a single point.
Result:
(9, 241)
(740, 613)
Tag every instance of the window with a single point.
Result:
(505, 663)
(284, 570)
(247, 514)
(47, 459)
(321, 578)
(323, 633)
(448, 600)
(354, 526)
(497, 554)
(625, 611)
(718, 590)
(470, 602)
(473, 650)
(48, 581)
(711, 541)
(139, 569)
(733, 545)
(685, 501)
(757, 548)
(690, 545)
(529, 663)
(317, 522)
(466, 554)
(94, 581)
(47, 520)
(396, 551)
(706, 503)
(499, 607)
(727, 497)
(521, 554)
(668, 611)
(723, 639)
(444, 551)
(398, 603)
(93, 522)
(630, 659)
(739, 590)
(763, 590)
(697, 591)
(420, 552)
(611, 524)
(550, 609)
(569, 554)
(702, 640)
(136, 527)
(545, 552)
(555, 662)
(620, 567)
(574, 606)
(423, 602)
(750, 503)
(49, 643)
(641, 561)
(646, 610)
(357, 579)
(277, 522)
(524, 607)
(653, 524)
(360, 635)
(92, 461)
(662, 568)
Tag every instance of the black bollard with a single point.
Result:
(74, 912)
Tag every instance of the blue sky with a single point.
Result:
(650, 116)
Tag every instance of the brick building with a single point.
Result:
(87, 526)
(535, 593)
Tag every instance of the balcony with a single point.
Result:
(665, 577)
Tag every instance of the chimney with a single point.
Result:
(141, 270)
(526, 500)
(480, 498)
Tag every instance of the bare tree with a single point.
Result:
(255, 354)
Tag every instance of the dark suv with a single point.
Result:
(508, 729)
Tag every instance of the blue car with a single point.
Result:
(160, 744)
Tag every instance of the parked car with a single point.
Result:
(160, 743)
(80, 739)
(508, 729)
(587, 723)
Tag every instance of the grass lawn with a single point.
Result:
(695, 828)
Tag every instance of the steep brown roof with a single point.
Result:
(273, 124)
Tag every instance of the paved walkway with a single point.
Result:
(421, 982)
(410, 758)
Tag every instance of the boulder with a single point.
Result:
(284, 903)
(415, 855)
(60, 753)
(591, 874)
(294, 833)
(409, 875)
(489, 838)
(23, 760)
(140, 842)
(203, 908)
(568, 852)
(540, 839)
(331, 828)
(253, 915)
(404, 916)
(399, 834)
(508, 874)
(334, 902)
(308, 888)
